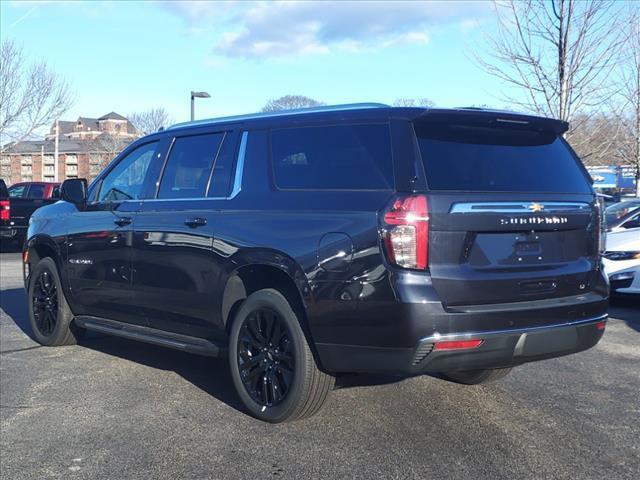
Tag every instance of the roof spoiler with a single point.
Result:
(492, 118)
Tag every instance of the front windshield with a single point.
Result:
(620, 210)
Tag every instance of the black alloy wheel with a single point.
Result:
(265, 357)
(44, 299)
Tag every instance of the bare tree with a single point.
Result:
(597, 140)
(413, 102)
(629, 111)
(31, 95)
(559, 54)
(290, 102)
(103, 149)
(151, 120)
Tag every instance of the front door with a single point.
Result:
(100, 238)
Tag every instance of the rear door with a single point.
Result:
(173, 264)
(512, 214)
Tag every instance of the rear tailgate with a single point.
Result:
(512, 214)
(497, 250)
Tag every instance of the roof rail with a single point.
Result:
(323, 108)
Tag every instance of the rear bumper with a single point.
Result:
(11, 232)
(499, 349)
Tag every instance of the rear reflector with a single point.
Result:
(601, 325)
(458, 345)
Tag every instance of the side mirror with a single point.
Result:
(74, 191)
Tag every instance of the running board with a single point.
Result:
(199, 346)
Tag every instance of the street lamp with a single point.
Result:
(197, 95)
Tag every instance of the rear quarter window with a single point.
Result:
(485, 159)
(337, 157)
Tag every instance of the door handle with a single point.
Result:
(122, 221)
(195, 222)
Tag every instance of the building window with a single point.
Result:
(71, 176)
(48, 178)
(48, 160)
(48, 170)
(72, 169)
(71, 159)
(27, 160)
(26, 178)
(27, 169)
(5, 160)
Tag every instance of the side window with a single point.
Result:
(223, 168)
(188, 168)
(341, 157)
(36, 191)
(127, 179)
(17, 191)
(633, 222)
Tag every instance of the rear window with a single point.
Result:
(484, 159)
(340, 157)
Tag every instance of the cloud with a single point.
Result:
(279, 29)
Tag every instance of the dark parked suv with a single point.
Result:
(311, 243)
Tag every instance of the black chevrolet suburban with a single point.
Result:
(311, 243)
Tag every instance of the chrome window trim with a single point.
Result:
(237, 181)
(516, 207)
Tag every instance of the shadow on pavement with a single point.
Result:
(208, 374)
(627, 309)
(14, 302)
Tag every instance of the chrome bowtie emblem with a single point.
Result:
(536, 207)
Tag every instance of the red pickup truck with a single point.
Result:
(17, 204)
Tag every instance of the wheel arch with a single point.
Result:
(41, 246)
(267, 269)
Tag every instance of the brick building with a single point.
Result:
(84, 149)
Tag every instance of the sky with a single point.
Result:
(128, 56)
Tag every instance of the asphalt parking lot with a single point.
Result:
(111, 408)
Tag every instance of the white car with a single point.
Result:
(622, 256)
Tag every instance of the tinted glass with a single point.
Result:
(224, 167)
(345, 157)
(187, 171)
(618, 211)
(127, 179)
(36, 191)
(460, 157)
(17, 191)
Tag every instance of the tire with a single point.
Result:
(477, 377)
(280, 380)
(50, 317)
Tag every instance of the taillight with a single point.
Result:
(406, 232)
(5, 210)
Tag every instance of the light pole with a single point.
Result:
(196, 95)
